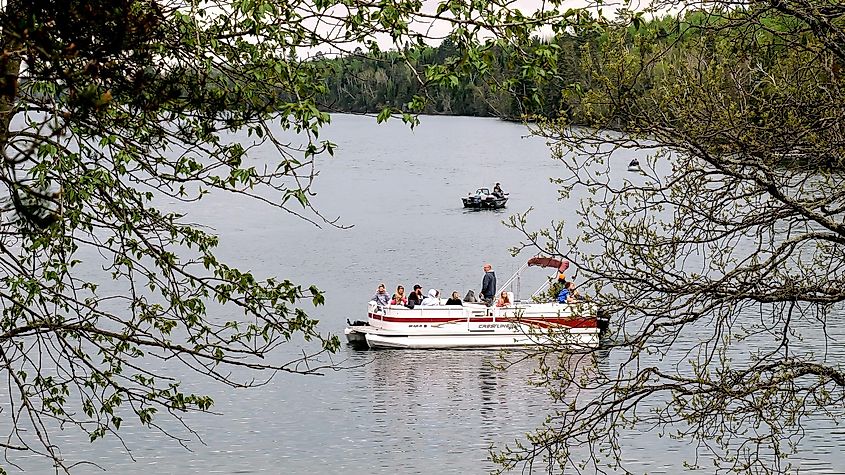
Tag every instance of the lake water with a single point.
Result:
(393, 411)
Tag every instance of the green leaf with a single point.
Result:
(383, 115)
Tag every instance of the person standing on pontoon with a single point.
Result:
(488, 285)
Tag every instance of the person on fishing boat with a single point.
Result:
(497, 191)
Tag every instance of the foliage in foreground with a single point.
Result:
(722, 262)
(108, 109)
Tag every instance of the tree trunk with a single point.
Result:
(10, 67)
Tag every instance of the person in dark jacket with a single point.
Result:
(416, 297)
(488, 285)
(455, 299)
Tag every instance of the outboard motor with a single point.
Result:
(603, 320)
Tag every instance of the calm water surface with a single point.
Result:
(394, 411)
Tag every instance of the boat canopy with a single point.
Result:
(544, 262)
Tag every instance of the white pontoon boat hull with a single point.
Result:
(477, 326)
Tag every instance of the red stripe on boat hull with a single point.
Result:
(574, 322)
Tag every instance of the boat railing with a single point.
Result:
(545, 285)
(514, 277)
(458, 311)
(469, 311)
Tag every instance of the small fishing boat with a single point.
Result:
(484, 199)
(634, 166)
(474, 325)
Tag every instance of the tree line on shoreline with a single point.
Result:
(444, 80)
(422, 80)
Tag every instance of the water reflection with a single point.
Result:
(501, 211)
(425, 404)
(488, 386)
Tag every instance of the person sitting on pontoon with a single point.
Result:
(567, 295)
(416, 297)
(381, 296)
(433, 298)
(503, 301)
(455, 299)
(399, 297)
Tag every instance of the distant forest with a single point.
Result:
(549, 85)
(419, 81)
